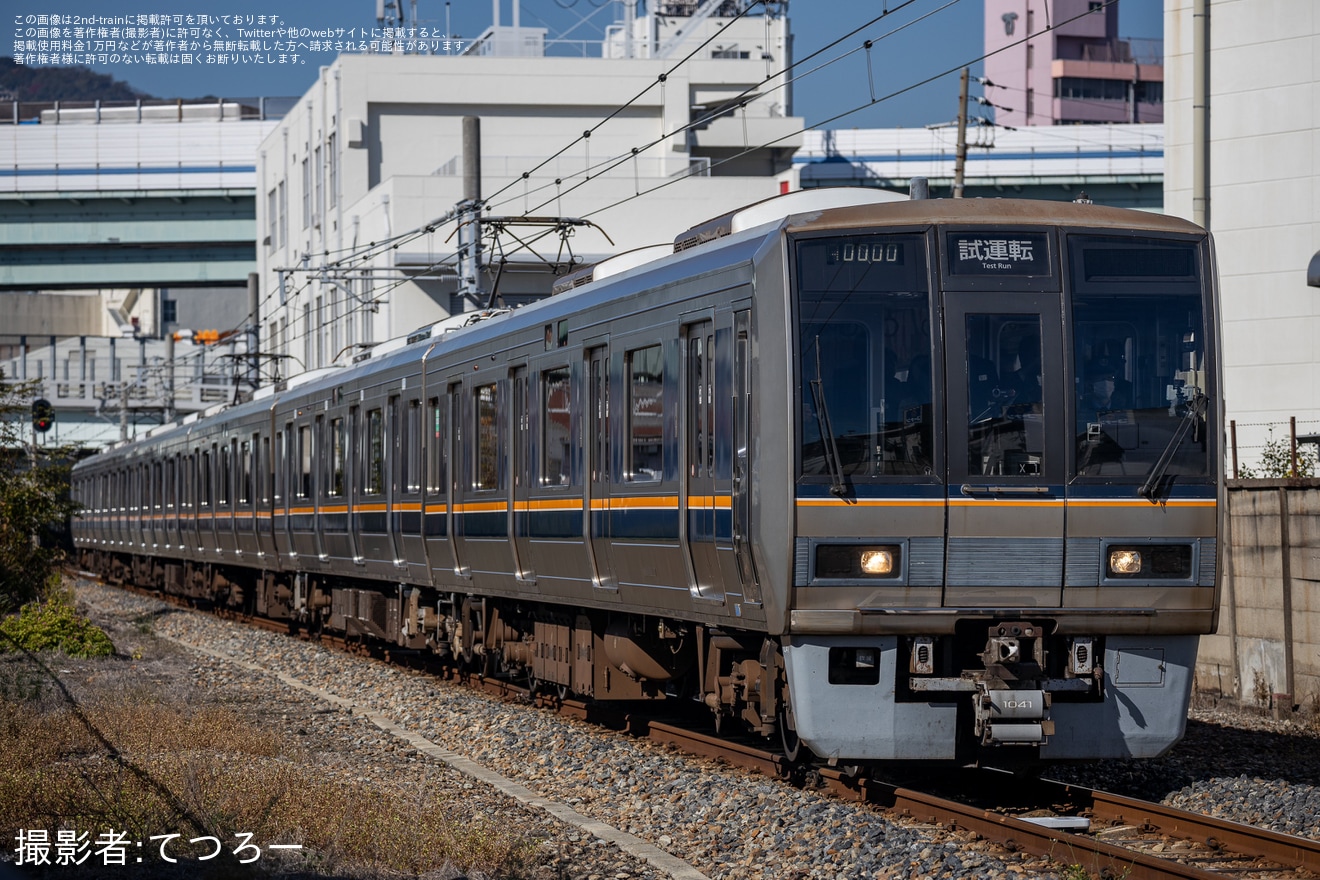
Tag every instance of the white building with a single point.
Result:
(1257, 183)
(375, 150)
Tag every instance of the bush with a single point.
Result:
(1276, 460)
(53, 626)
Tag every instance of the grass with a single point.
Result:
(135, 757)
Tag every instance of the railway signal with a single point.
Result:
(43, 415)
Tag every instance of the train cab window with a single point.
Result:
(864, 357)
(556, 439)
(437, 436)
(645, 414)
(486, 413)
(1140, 370)
(374, 473)
(335, 487)
(304, 452)
(1005, 406)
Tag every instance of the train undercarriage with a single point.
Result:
(992, 692)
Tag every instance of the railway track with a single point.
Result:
(1105, 835)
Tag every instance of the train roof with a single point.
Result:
(921, 212)
(802, 211)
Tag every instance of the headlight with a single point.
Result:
(1125, 562)
(1151, 561)
(877, 562)
(857, 561)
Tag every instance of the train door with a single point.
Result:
(596, 443)
(698, 503)
(1006, 434)
(520, 462)
(408, 510)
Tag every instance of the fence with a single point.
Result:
(1273, 458)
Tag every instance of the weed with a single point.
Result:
(54, 625)
(133, 761)
(1260, 688)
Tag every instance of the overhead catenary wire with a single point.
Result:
(359, 256)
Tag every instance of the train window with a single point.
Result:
(411, 459)
(487, 474)
(245, 473)
(437, 435)
(374, 474)
(1140, 373)
(412, 441)
(282, 451)
(222, 483)
(267, 472)
(206, 478)
(701, 401)
(864, 357)
(556, 397)
(336, 487)
(645, 413)
(1005, 410)
(304, 461)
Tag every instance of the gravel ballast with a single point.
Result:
(723, 823)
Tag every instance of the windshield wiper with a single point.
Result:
(831, 449)
(1196, 410)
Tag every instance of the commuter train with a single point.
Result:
(879, 478)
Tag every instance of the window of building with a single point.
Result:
(318, 185)
(320, 332)
(169, 311)
(333, 159)
(282, 237)
(306, 193)
(273, 218)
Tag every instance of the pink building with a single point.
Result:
(1077, 72)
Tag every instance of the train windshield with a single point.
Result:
(864, 357)
(1141, 399)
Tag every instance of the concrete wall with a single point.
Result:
(1267, 650)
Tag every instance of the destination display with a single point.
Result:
(998, 253)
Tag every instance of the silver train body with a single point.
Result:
(890, 480)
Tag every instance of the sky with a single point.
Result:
(917, 40)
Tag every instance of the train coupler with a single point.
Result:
(1012, 717)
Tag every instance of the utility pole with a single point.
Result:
(960, 163)
(469, 215)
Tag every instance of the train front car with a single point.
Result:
(1007, 480)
